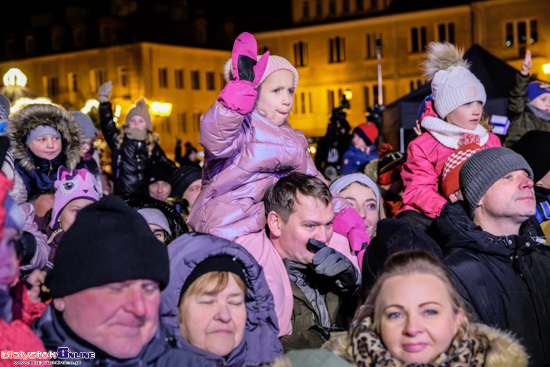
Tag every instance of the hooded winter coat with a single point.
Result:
(160, 351)
(522, 118)
(131, 158)
(505, 279)
(244, 156)
(260, 345)
(479, 345)
(37, 173)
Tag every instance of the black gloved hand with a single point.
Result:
(337, 267)
(26, 247)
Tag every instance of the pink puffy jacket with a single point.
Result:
(422, 171)
(244, 156)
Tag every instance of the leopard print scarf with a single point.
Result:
(465, 350)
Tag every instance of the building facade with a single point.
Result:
(340, 56)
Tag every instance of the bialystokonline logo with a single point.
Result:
(63, 356)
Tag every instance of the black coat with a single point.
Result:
(160, 351)
(505, 279)
(131, 159)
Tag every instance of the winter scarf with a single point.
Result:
(449, 134)
(541, 114)
(475, 345)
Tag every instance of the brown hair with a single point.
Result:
(406, 263)
(211, 283)
(282, 196)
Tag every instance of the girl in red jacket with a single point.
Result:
(454, 117)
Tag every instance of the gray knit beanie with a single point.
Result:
(483, 169)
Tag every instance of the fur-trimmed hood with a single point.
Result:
(504, 349)
(34, 115)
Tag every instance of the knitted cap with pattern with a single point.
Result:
(483, 169)
(449, 176)
(140, 109)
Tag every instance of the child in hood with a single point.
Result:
(43, 138)
(134, 146)
(249, 145)
(528, 104)
(454, 118)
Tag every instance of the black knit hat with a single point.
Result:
(158, 172)
(483, 169)
(183, 177)
(393, 235)
(216, 263)
(109, 242)
(534, 146)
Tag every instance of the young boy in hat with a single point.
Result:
(528, 104)
(361, 150)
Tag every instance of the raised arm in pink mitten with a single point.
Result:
(240, 93)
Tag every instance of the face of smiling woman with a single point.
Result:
(417, 321)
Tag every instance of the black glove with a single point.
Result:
(334, 265)
(26, 247)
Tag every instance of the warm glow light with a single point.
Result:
(22, 102)
(118, 110)
(15, 77)
(312, 150)
(161, 109)
(348, 95)
(90, 103)
(546, 68)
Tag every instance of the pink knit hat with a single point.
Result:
(274, 63)
(69, 186)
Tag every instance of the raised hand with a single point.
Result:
(526, 64)
(104, 91)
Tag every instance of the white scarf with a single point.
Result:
(449, 134)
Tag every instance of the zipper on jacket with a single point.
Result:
(51, 168)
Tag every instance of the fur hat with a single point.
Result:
(449, 176)
(69, 186)
(274, 63)
(182, 178)
(86, 123)
(156, 217)
(109, 242)
(140, 109)
(367, 131)
(483, 169)
(453, 84)
(535, 89)
(4, 112)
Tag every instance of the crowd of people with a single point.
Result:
(436, 256)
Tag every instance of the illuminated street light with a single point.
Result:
(348, 94)
(161, 109)
(15, 77)
(546, 69)
(90, 103)
(22, 102)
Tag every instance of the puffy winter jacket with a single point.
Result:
(260, 345)
(131, 159)
(38, 173)
(506, 279)
(421, 173)
(522, 119)
(244, 156)
(160, 351)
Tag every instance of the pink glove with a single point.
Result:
(240, 93)
(349, 224)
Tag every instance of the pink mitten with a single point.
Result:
(240, 93)
(349, 224)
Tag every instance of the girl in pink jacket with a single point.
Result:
(454, 118)
(249, 145)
